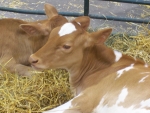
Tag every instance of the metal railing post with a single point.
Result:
(86, 7)
(144, 2)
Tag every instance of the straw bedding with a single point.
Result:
(34, 94)
(137, 46)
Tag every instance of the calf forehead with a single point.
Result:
(67, 28)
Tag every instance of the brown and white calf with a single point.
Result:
(104, 80)
(19, 39)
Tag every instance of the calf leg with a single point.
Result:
(13, 67)
(23, 70)
(65, 108)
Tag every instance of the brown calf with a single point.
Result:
(104, 80)
(19, 39)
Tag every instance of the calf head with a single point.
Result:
(43, 28)
(19, 39)
(66, 44)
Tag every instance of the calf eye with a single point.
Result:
(66, 46)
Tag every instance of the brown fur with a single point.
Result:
(19, 39)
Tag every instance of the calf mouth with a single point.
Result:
(38, 68)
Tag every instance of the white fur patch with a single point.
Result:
(61, 108)
(79, 23)
(104, 108)
(145, 103)
(118, 55)
(122, 96)
(67, 29)
(120, 72)
(119, 109)
(143, 79)
(146, 65)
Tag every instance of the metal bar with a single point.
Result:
(108, 18)
(77, 14)
(22, 11)
(71, 14)
(86, 7)
(39, 12)
(144, 2)
(120, 19)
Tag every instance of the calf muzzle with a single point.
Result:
(33, 59)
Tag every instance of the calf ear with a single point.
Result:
(98, 37)
(57, 21)
(84, 21)
(101, 35)
(34, 29)
(50, 10)
(43, 29)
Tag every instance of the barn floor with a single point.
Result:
(96, 7)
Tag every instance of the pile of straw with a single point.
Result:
(34, 94)
(137, 46)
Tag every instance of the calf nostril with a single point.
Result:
(35, 61)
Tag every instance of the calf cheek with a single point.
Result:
(72, 58)
(57, 59)
(48, 58)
